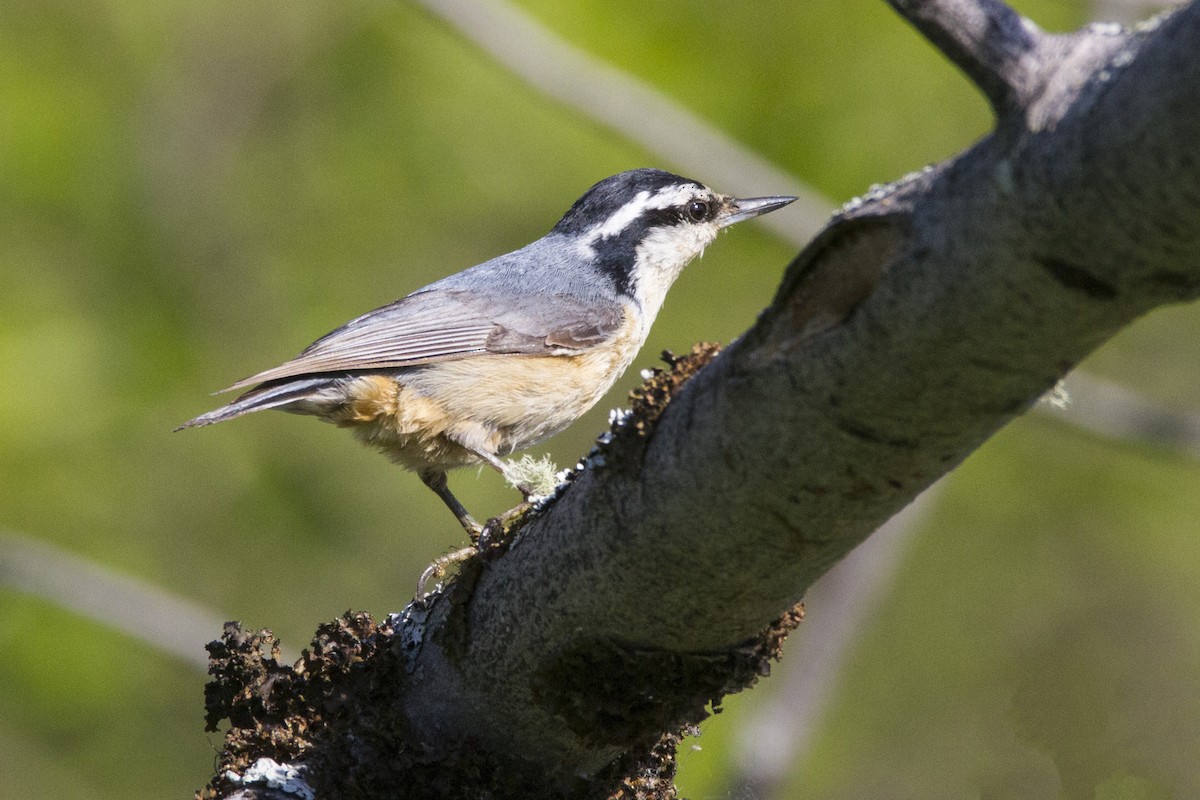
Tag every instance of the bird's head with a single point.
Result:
(640, 228)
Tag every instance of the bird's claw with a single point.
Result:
(437, 570)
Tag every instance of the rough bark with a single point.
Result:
(923, 318)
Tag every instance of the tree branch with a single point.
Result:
(924, 317)
(996, 47)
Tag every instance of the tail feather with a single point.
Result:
(259, 399)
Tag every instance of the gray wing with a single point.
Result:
(442, 324)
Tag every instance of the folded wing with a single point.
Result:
(441, 324)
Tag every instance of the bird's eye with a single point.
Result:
(698, 210)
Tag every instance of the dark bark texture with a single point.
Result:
(922, 319)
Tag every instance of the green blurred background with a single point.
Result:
(190, 192)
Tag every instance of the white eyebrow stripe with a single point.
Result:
(674, 195)
(620, 219)
(664, 198)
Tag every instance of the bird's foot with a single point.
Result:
(506, 519)
(437, 570)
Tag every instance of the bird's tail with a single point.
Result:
(260, 398)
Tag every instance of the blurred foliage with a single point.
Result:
(190, 192)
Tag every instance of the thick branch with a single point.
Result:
(918, 324)
(923, 319)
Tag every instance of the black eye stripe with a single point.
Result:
(697, 210)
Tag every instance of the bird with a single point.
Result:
(500, 356)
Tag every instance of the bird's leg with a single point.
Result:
(436, 480)
(502, 468)
(520, 508)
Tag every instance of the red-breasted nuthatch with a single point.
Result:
(503, 355)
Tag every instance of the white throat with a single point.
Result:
(661, 256)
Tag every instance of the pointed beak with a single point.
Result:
(740, 209)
